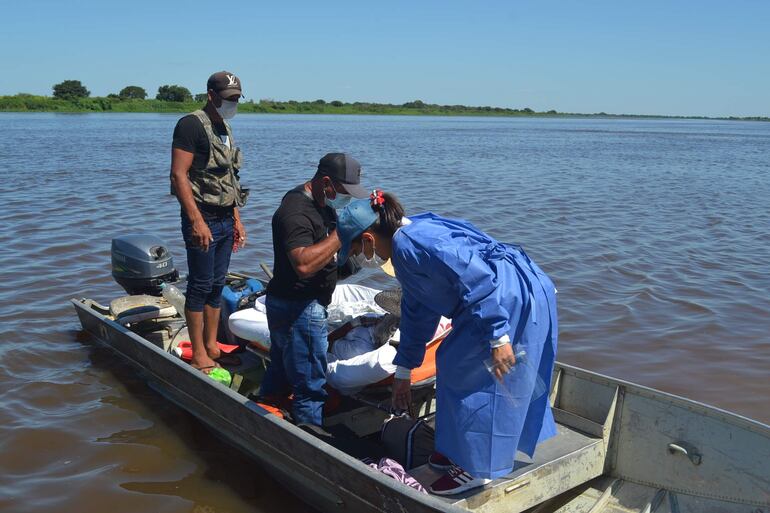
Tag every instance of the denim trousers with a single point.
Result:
(207, 269)
(298, 345)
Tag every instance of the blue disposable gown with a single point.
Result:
(448, 267)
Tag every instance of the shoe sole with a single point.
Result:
(456, 491)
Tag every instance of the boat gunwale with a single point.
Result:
(669, 398)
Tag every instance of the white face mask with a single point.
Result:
(370, 263)
(228, 109)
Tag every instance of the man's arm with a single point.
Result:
(180, 165)
(310, 259)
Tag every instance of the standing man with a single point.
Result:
(305, 242)
(204, 177)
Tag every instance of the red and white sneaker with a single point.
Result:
(456, 481)
(438, 461)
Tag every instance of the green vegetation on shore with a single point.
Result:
(72, 96)
(29, 103)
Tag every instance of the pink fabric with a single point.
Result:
(394, 469)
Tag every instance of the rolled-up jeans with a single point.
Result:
(298, 345)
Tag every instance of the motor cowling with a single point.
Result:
(141, 263)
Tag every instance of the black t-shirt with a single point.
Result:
(190, 136)
(300, 222)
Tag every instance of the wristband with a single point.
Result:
(499, 342)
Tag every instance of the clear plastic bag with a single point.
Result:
(522, 365)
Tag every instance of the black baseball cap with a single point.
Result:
(345, 170)
(225, 84)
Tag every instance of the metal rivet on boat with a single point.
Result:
(516, 487)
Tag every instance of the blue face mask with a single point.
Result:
(340, 201)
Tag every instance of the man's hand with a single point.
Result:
(402, 395)
(201, 235)
(309, 260)
(239, 234)
(503, 361)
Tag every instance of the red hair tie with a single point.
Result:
(378, 200)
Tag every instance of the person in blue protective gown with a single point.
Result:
(496, 297)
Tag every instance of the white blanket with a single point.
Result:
(353, 361)
(348, 302)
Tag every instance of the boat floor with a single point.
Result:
(560, 451)
(568, 448)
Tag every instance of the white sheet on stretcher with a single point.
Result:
(348, 302)
(353, 361)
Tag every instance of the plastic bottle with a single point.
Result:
(522, 364)
(174, 296)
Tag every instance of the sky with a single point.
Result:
(674, 57)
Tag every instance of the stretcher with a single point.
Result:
(348, 302)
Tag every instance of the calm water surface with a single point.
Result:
(657, 234)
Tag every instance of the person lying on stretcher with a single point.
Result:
(361, 352)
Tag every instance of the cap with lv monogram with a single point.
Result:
(225, 84)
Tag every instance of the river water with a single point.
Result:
(656, 233)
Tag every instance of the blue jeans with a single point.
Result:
(298, 345)
(207, 269)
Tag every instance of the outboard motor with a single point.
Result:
(140, 263)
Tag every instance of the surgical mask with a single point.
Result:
(340, 201)
(228, 109)
(369, 263)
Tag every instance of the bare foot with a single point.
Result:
(203, 363)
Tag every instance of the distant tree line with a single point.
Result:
(73, 96)
(73, 89)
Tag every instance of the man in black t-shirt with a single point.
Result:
(305, 242)
(204, 177)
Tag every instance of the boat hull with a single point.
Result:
(316, 472)
(659, 445)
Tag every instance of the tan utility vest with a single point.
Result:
(218, 183)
